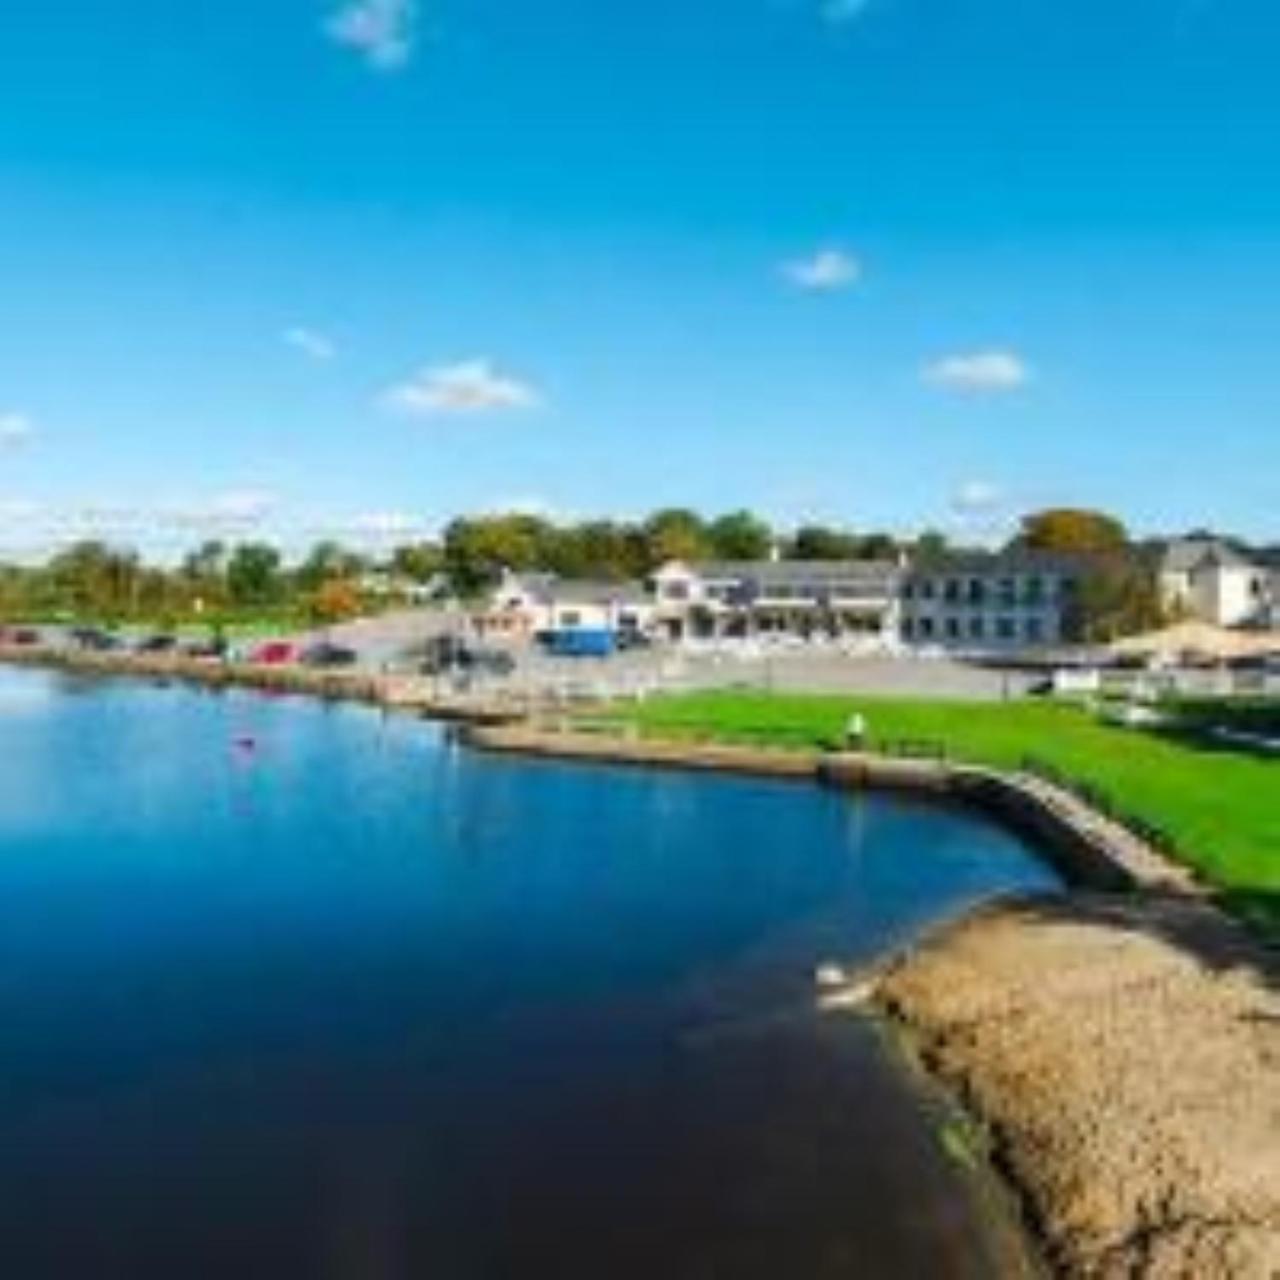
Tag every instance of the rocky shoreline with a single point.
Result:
(1124, 1053)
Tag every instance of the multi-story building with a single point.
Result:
(992, 600)
(836, 598)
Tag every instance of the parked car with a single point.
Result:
(215, 648)
(20, 637)
(161, 642)
(449, 653)
(93, 639)
(328, 655)
(275, 653)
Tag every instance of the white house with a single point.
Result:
(1212, 581)
(808, 598)
(524, 605)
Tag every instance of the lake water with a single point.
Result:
(289, 990)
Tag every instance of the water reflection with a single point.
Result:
(355, 1004)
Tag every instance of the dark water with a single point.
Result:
(350, 1003)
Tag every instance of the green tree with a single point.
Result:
(326, 561)
(820, 542)
(476, 551)
(1117, 595)
(417, 561)
(675, 533)
(254, 574)
(740, 535)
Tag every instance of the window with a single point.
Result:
(1034, 630)
(1006, 629)
(570, 618)
(977, 629)
(952, 591)
(908, 628)
(953, 628)
(977, 591)
(678, 591)
(926, 628)
(927, 589)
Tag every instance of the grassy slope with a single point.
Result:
(1221, 808)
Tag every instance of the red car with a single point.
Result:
(275, 653)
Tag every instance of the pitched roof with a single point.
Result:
(1186, 555)
(794, 572)
(580, 591)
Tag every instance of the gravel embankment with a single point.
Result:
(1125, 1053)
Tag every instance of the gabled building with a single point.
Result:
(833, 598)
(524, 605)
(1215, 581)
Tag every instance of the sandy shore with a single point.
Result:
(1125, 1053)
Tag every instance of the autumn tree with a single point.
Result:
(1071, 529)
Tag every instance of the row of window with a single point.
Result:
(1029, 629)
(1006, 591)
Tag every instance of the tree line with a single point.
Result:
(91, 579)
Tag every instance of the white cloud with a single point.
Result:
(838, 12)
(473, 386)
(525, 505)
(388, 526)
(317, 346)
(826, 271)
(981, 372)
(977, 498)
(15, 429)
(235, 511)
(383, 32)
(19, 511)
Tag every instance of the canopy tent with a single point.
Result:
(1200, 639)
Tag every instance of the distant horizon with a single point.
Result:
(328, 267)
(380, 543)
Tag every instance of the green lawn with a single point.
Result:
(1219, 809)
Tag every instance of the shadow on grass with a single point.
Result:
(1218, 942)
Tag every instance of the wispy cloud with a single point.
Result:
(826, 271)
(377, 527)
(471, 387)
(15, 429)
(839, 12)
(977, 498)
(236, 511)
(383, 32)
(312, 343)
(980, 372)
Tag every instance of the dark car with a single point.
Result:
(94, 639)
(446, 654)
(159, 643)
(328, 655)
(19, 637)
(214, 649)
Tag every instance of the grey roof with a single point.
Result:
(1015, 560)
(807, 572)
(1186, 555)
(580, 591)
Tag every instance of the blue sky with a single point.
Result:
(301, 267)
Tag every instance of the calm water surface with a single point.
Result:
(344, 1001)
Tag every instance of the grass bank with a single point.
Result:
(1216, 809)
